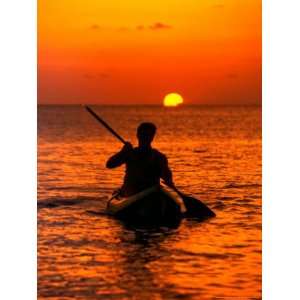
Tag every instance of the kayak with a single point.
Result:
(158, 206)
(154, 206)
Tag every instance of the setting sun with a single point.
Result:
(172, 99)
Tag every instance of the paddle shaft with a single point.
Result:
(104, 124)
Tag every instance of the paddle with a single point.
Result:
(195, 208)
(104, 124)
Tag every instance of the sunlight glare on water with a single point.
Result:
(215, 154)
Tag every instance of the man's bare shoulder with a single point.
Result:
(159, 154)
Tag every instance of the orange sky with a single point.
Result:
(133, 51)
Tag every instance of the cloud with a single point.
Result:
(96, 75)
(218, 6)
(159, 26)
(123, 29)
(232, 75)
(140, 27)
(95, 27)
(103, 75)
(87, 76)
(154, 27)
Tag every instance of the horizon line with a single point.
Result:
(149, 104)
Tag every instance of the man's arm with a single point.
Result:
(119, 158)
(166, 173)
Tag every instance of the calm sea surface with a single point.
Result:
(215, 154)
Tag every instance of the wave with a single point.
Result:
(83, 202)
(74, 188)
(210, 255)
(239, 186)
(200, 150)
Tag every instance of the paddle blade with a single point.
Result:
(196, 209)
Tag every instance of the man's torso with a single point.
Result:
(143, 170)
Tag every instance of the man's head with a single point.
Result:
(145, 133)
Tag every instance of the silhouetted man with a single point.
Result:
(144, 165)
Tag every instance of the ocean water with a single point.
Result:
(215, 155)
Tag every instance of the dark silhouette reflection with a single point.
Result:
(140, 275)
